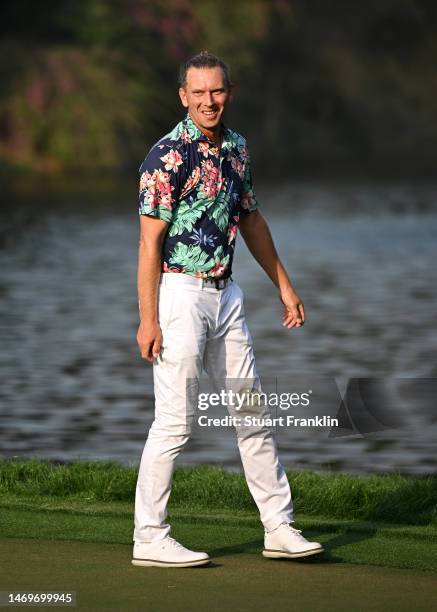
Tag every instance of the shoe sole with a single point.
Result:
(277, 554)
(152, 563)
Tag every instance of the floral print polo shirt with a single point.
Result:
(202, 191)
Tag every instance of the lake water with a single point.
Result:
(361, 255)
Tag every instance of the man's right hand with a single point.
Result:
(149, 338)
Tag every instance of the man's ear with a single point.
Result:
(183, 97)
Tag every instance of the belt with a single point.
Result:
(218, 283)
(175, 278)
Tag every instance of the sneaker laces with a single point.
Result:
(174, 542)
(296, 531)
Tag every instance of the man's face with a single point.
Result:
(205, 96)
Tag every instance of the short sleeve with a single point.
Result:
(248, 202)
(160, 182)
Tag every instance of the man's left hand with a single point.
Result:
(294, 313)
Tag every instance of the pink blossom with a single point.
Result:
(163, 177)
(238, 166)
(208, 166)
(209, 171)
(247, 199)
(167, 268)
(191, 182)
(206, 150)
(166, 200)
(218, 269)
(232, 232)
(173, 159)
(146, 181)
(209, 188)
(185, 136)
(203, 148)
(157, 188)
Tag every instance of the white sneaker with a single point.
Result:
(167, 552)
(286, 541)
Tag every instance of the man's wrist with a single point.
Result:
(286, 289)
(148, 320)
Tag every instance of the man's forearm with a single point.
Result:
(259, 241)
(149, 272)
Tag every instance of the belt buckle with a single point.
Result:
(217, 282)
(224, 282)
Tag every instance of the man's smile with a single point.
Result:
(211, 114)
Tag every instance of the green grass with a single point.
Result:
(389, 497)
(104, 579)
(225, 534)
(387, 520)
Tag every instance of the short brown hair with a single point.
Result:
(204, 59)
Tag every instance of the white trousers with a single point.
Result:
(203, 328)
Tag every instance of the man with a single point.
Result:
(195, 191)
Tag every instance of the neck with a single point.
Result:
(214, 135)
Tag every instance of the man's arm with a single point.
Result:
(159, 187)
(152, 233)
(259, 241)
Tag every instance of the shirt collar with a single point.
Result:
(197, 134)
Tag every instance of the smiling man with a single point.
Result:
(195, 192)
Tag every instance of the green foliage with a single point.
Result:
(90, 86)
(190, 257)
(187, 215)
(220, 211)
(69, 111)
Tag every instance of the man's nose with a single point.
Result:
(209, 99)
